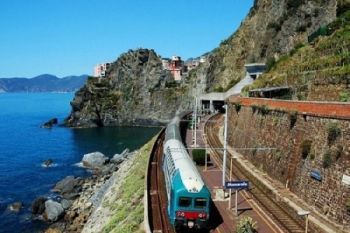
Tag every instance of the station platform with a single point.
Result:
(224, 218)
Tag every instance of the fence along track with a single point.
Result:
(278, 214)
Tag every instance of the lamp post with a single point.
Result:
(195, 123)
(225, 147)
(306, 214)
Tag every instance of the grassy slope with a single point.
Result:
(326, 61)
(127, 206)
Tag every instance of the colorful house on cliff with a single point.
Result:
(100, 69)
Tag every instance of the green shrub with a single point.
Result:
(171, 84)
(305, 147)
(199, 156)
(274, 25)
(338, 151)
(333, 132)
(293, 116)
(278, 155)
(270, 63)
(231, 84)
(296, 48)
(294, 3)
(264, 110)
(312, 156)
(254, 108)
(327, 159)
(219, 89)
(344, 96)
(238, 107)
(246, 225)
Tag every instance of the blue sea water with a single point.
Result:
(24, 146)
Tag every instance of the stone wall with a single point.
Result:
(288, 145)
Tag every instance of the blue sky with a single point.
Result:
(68, 37)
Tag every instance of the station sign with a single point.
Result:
(237, 184)
(316, 175)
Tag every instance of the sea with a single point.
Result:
(24, 145)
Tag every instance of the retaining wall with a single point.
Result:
(282, 128)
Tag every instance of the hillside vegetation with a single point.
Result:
(319, 70)
(126, 204)
(272, 28)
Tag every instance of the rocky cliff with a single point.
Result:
(272, 28)
(136, 91)
(319, 70)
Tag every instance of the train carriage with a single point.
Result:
(188, 197)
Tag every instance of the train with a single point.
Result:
(189, 199)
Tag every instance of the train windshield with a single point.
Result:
(200, 203)
(184, 201)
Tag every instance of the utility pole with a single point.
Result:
(195, 122)
(225, 147)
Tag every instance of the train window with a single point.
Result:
(200, 203)
(184, 201)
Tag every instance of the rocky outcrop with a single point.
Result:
(134, 92)
(15, 207)
(49, 124)
(53, 210)
(94, 160)
(69, 187)
(38, 206)
(47, 163)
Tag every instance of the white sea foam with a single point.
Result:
(51, 165)
(80, 164)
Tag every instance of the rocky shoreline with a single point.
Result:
(79, 199)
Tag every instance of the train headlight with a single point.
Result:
(180, 214)
(202, 215)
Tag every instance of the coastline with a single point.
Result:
(106, 202)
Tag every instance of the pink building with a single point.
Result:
(175, 65)
(100, 69)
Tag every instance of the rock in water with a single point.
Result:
(15, 207)
(38, 206)
(69, 187)
(94, 160)
(53, 210)
(48, 163)
(119, 158)
(50, 123)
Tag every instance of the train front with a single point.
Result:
(192, 206)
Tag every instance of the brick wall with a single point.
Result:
(283, 127)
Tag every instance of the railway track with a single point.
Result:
(285, 221)
(157, 202)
